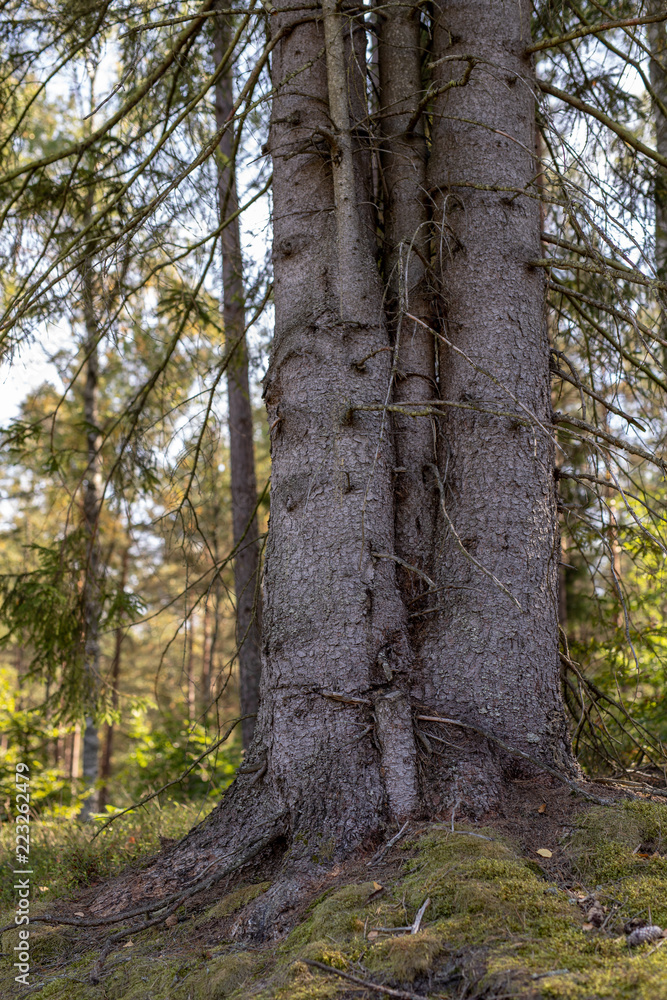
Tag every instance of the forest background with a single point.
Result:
(118, 596)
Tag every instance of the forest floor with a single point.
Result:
(532, 904)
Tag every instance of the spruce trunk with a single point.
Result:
(491, 656)
(345, 681)
(93, 567)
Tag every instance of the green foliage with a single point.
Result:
(64, 857)
(164, 753)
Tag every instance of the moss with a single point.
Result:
(604, 840)
(402, 959)
(339, 916)
(48, 944)
(233, 901)
(492, 914)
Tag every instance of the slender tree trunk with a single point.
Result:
(242, 458)
(493, 657)
(206, 660)
(93, 568)
(75, 756)
(189, 655)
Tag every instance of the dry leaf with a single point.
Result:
(543, 808)
(377, 886)
(372, 935)
(172, 920)
(544, 852)
(128, 944)
(587, 927)
(43, 888)
(79, 914)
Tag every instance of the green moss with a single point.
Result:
(403, 958)
(233, 901)
(603, 843)
(492, 913)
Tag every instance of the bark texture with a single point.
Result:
(241, 447)
(492, 659)
(332, 608)
(406, 249)
(657, 39)
(344, 679)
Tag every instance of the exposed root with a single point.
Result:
(515, 752)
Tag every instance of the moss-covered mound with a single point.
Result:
(495, 926)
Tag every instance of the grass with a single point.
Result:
(63, 857)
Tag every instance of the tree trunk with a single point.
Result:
(657, 44)
(493, 651)
(91, 514)
(344, 679)
(406, 249)
(242, 458)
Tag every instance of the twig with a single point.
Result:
(147, 798)
(487, 572)
(418, 919)
(346, 699)
(400, 994)
(390, 843)
(408, 566)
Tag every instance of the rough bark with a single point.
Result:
(493, 659)
(657, 43)
(93, 567)
(332, 608)
(334, 758)
(241, 449)
(406, 250)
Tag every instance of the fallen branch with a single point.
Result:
(390, 843)
(366, 983)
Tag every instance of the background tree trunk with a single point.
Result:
(657, 39)
(119, 635)
(242, 458)
(93, 568)
(493, 658)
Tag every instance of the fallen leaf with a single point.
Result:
(544, 852)
(376, 886)
(543, 808)
(372, 935)
(43, 888)
(172, 920)
(79, 914)
(587, 927)
(128, 944)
